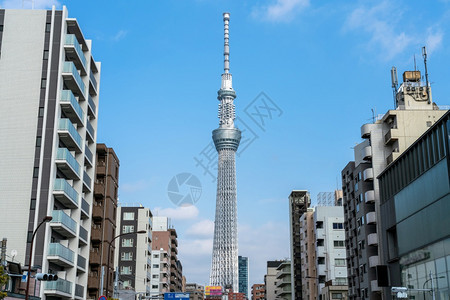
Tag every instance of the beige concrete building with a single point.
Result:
(308, 255)
(270, 279)
(384, 141)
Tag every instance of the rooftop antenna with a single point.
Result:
(424, 54)
(394, 80)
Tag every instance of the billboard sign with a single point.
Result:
(213, 290)
(176, 296)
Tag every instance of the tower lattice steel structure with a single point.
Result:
(224, 269)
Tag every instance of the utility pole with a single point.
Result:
(3, 255)
(102, 280)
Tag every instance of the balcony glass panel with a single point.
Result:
(66, 125)
(69, 67)
(90, 129)
(64, 186)
(83, 233)
(60, 285)
(88, 153)
(79, 290)
(56, 249)
(64, 154)
(94, 81)
(68, 97)
(87, 180)
(60, 216)
(92, 104)
(85, 206)
(81, 262)
(72, 40)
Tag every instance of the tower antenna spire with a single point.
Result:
(226, 46)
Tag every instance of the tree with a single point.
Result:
(3, 281)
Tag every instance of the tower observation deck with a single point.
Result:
(224, 266)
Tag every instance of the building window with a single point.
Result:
(322, 279)
(336, 295)
(126, 270)
(156, 266)
(127, 243)
(155, 286)
(46, 54)
(127, 228)
(320, 242)
(321, 260)
(155, 276)
(41, 112)
(43, 83)
(33, 203)
(36, 172)
(126, 283)
(338, 226)
(127, 255)
(319, 224)
(339, 262)
(339, 244)
(48, 26)
(128, 216)
(38, 141)
(155, 255)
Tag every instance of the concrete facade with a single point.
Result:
(308, 255)
(384, 141)
(270, 279)
(283, 289)
(258, 291)
(49, 84)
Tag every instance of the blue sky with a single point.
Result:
(324, 64)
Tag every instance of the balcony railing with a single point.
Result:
(60, 255)
(79, 291)
(74, 80)
(89, 155)
(91, 105)
(84, 208)
(65, 193)
(72, 107)
(67, 163)
(83, 235)
(81, 263)
(93, 80)
(61, 285)
(69, 135)
(90, 131)
(87, 181)
(63, 224)
(71, 40)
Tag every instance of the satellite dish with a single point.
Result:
(13, 254)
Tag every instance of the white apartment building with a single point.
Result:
(49, 85)
(160, 272)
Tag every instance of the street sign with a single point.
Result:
(24, 278)
(102, 298)
(177, 296)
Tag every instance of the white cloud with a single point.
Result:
(203, 228)
(38, 4)
(380, 21)
(119, 35)
(433, 40)
(186, 212)
(195, 247)
(281, 10)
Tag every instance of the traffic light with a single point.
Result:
(46, 277)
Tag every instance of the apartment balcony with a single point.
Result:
(391, 136)
(90, 131)
(93, 84)
(97, 212)
(83, 236)
(374, 286)
(89, 157)
(368, 174)
(92, 108)
(60, 255)
(84, 209)
(87, 182)
(63, 224)
(369, 196)
(79, 291)
(371, 217)
(71, 107)
(372, 239)
(94, 258)
(149, 262)
(59, 288)
(373, 261)
(365, 131)
(75, 53)
(81, 264)
(73, 80)
(393, 156)
(93, 281)
(283, 282)
(99, 189)
(96, 234)
(65, 193)
(67, 164)
(69, 135)
(367, 153)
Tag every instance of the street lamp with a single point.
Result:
(46, 219)
(109, 253)
(432, 285)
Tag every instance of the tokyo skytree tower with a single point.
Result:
(224, 268)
